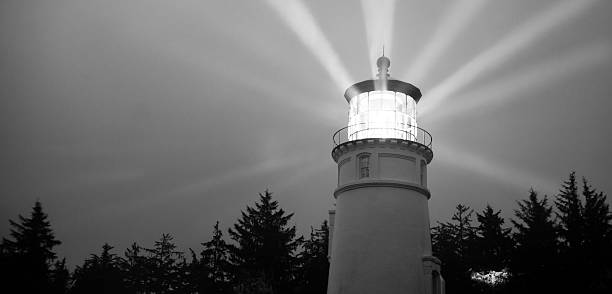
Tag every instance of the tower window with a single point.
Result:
(364, 166)
(423, 171)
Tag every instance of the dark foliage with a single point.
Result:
(264, 257)
(211, 272)
(28, 262)
(314, 264)
(585, 235)
(100, 274)
(534, 261)
(453, 243)
(491, 248)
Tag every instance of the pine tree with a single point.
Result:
(493, 242)
(314, 267)
(570, 217)
(210, 273)
(28, 255)
(264, 256)
(597, 241)
(164, 265)
(533, 265)
(136, 271)
(453, 243)
(100, 274)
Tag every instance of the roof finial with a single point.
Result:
(383, 64)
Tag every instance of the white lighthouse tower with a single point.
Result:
(380, 229)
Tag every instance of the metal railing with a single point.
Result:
(364, 131)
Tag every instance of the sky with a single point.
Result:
(128, 119)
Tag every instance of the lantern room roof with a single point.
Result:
(383, 85)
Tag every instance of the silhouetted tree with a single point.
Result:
(453, 243)
(571, 226)
(533, 265)
(314, 268)
(492, 248)
(100, 274)
(597, 241)
(164, 266)
(136, 270)
(264, 256)
(210, 273)
(28, 257)
(493, 242)
(60, 277)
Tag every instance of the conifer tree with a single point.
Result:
(60, 277)
(100, 274)
(493, 243)
(136, 271)
(314, 268)
(28, 255)
(264, 255)
(453, 243)
(164, 266)
(533, 265)
(570, 217)
(211, 273)
(597, 240)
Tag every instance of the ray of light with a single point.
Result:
(378, 17)
(503, 173)
(271, 165)
(508, 89)
(457, 16)
(297, 16)
(505, 48)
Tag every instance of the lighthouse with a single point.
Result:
(380, 240)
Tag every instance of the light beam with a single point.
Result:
(503, 173)
(297, 16)
(508, 89)
(378, 18)
(457, 17)
(506, 48)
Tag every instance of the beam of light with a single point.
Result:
(485, 167)
(378, 17)
(496, 55)
(457, 17)
(508, 89)
(240, 173)
(297, 16)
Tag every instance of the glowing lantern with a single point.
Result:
(382, 108)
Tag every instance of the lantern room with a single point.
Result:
(382, 108)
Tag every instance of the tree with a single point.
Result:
(452, 242)
(164, 266)
(264, 254)
(210, 273)
(28, 255)
(493, 242)
(492, 248)
(570, 217)
(136, 270)
(314, 268)
(533, 265)
(597, 241)
(100, 274)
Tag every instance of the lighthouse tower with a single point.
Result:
(380, 241)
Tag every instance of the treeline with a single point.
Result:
(264, 256)
(559, 245)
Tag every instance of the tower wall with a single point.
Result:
(381, 241)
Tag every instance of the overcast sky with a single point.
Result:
(129, 119)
